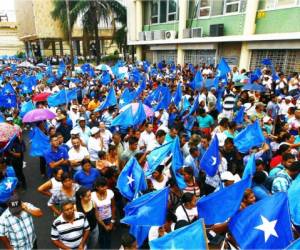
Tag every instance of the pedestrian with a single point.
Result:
(16, 224)
(71, 229)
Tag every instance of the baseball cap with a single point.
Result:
(81, 118)
(74, 107)
(94, 130)
(15, 204)
(60, 117)
(227, 176)
(9, 119)
(75, 131)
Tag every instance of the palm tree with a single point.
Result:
(91, 13)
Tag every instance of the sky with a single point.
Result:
(8, 7)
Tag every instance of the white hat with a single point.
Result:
(289, 98)
(81, 118)
(227, 176)
(9, 119)
(75, 131)
(94, 130)
(266, 119)
(74, 107)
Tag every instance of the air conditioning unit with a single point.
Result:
(148, 35)
(141, 36)
(187, 33)
(158, 34)
(197, 32)
(170, 34)
(216, 30)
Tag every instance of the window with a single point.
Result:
(200, 56)
(163, 11)
(154, 12)
(273, 4)
(172, 10)
(287, 60)
(204, 8)
(232, 6)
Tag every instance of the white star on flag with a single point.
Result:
(122, 101)
(8, 184)
(8, 101)
(130, 179)
(268, 227)
(213, 160)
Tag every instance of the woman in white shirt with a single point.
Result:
(187, 210)
(159, 179)
(105, 205)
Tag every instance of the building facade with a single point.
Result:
(202, 31)
(9, 41)
(43, 36)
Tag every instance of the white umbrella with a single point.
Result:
(26, 64)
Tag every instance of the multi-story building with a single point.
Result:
(9, 42)
(43, 36)
(202, 31)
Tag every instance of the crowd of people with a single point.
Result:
(86, 153)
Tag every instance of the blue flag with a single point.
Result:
(219, 107)
(177, 163)
(294, 200)
(223, 69)
(267, 223)
(191, 237)
(71, 94)
(75, 60)
(7, 89)
(131, 180)
(217, 207)
(157, 156)
(40, 143)
(268, 62)
(197, 81)
(239, 118)
(295, 245)
(147, 210)
(7, 187)
(105, 78)
(186, 104)
(177, 95)
(124, 119)
(57, 99)
(8, 101)
(195, 105)
(211, 158)
(192, 69)
(141, 88)
(250, 167)
(140, 115)
(249, 137)
(26, 107)
(126, 97)
(109, 101)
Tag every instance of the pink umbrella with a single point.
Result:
(38, 115)
(7, 131)
(149, 112)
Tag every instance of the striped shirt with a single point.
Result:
(229, 101)
(68, 233)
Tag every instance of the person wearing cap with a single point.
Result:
(259, 111)
(76, 154)
(74, 134)
(56, 157)
(84, 131)
(74, 114)
(105, 134)
(95, 144)
(64, 128)
(284, 106)
(285, 177)
(16, 224)
(10, 120)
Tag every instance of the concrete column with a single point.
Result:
(180, 55)
(42, 47)
(131, 22)
(138, 18)
(182, 17)
(249, 29)
(61, 49)
(181, 26)
(138, 52)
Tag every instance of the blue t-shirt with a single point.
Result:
(205, 122)
(86, 180)
(54, 156)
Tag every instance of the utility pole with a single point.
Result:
(70, 34)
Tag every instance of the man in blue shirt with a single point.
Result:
(56, 157)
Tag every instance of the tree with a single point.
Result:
(91, 13)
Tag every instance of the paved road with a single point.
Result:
(43, 225)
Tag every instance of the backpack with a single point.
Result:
(269, 182)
